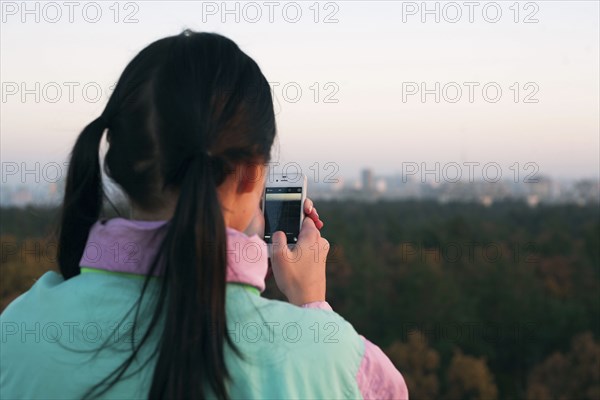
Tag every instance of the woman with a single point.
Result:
(167, 304)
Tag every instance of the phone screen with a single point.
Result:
(283, 207)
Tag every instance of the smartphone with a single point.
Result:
(283, 206)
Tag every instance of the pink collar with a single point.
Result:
(122, 245)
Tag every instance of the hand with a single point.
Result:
(300, 271)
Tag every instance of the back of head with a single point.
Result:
(179, 97)
(185, 111)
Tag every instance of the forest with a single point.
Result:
(468, 301)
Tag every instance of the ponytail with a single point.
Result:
(178, 99)
(83, 198)
(191, 352)
(192, 295)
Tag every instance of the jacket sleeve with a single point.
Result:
(377, 376)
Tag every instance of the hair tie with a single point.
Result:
(205, 156)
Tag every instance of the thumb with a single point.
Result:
(279, 239)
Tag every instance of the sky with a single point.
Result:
(354, 82)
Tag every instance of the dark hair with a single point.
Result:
(186, 110)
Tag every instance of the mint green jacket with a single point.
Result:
(50, 333)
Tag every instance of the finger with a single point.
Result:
(281, 250)
(279, 242)
(308, 206)
(313, 215)
(308, 231)
(279, 239)
(308, 224)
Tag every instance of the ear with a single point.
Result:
(249, 176)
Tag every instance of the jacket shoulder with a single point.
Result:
(315, 353)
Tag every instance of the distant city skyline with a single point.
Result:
(372, 186)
